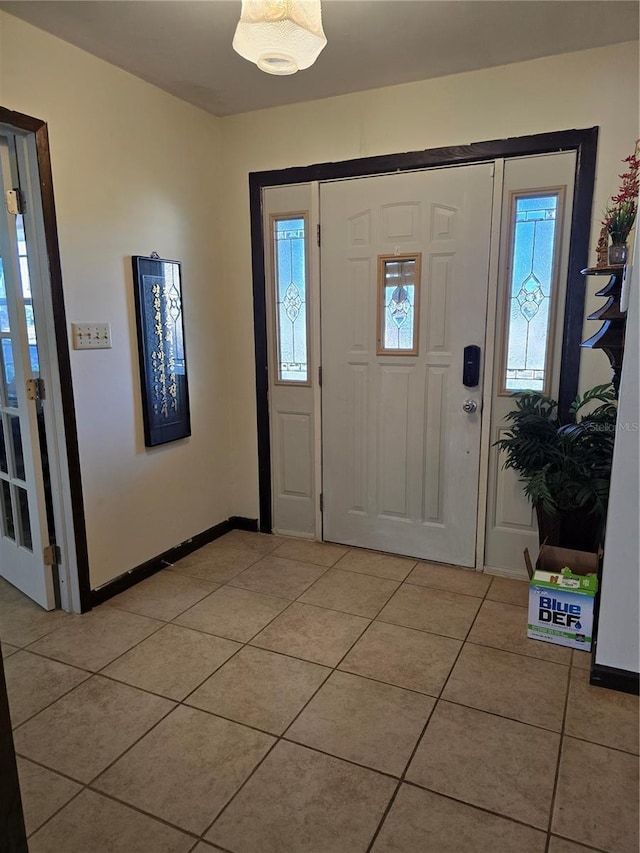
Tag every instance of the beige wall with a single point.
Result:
(135, 171)
(579, 90)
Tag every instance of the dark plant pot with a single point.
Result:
(576, 529)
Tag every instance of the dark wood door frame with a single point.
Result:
(583, 142)
(40, 132)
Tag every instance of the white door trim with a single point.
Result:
(314, 280)
(488, 359)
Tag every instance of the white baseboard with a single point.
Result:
(292, 534)
(517, 574)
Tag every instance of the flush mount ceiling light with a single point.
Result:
(280, 36)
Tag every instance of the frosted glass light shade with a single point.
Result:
(280, 36)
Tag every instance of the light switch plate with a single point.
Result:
(91, 335)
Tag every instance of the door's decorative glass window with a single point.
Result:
(398, 304)
(530, 290)
(4, 314)
(26, 294)
(290, 273)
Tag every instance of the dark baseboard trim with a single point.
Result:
(615, 679)
(156, 564)
(238, 522)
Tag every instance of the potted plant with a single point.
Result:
(565, 465)
(620, 215)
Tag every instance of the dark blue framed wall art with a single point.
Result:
(161, 349)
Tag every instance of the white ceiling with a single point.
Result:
(185, 48)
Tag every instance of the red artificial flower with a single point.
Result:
(620, 215)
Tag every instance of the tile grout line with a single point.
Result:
(600, 744)
(87, 785)
(91, 673)
(57, 811)
(55, 660)
(536, 726)
(53, 701)
(387, 775)
(248, 643)
(117, 657)
(399, 584)
(438, 700)
(579, 843)
(280, 737)
(90, 785)
(179, 703)
(375, 618)
(185, 702)
(560, 742)
(243, 645)
(554, 790)
(482, 597)
(283, 737)
(475, 806)
(171, 566)
(164, 622)
(122, 609)
(519, 654)
(290, 601)
(24, 646)
(391, 802)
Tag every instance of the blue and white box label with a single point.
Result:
(561, 608)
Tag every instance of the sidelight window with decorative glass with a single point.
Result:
(291, 303)
(530, 289)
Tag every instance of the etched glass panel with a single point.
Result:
(4, 313)
(291, 299)
(26, 295)
(397, 321)
(8, 527)
(9, 374)
(3, 450)
(25, 523)
(18, 454)
(534, 228)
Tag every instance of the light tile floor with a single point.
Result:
(275, 696)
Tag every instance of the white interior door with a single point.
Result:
(23, 516)
(404, 277)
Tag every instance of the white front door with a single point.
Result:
(404, 277)
(23, 516)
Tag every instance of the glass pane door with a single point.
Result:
(23, 520)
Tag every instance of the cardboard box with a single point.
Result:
(562, 591)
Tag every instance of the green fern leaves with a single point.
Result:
(563, 466)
